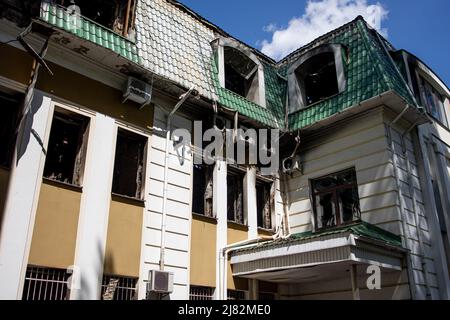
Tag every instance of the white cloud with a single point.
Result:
(319, 18)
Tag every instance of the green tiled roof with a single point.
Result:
(88, 30)
(271, 116)
(369, 72)
(176, 45)
(362, 229)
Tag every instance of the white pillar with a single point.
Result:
(220, 211)
(354, 279)
(21, 202)
(94, 208)
(250, 202)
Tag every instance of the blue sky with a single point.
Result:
(419, 26)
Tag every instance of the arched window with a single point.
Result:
(315, 76)
(240, 70)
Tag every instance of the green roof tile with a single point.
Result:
(362, 229)
(88, 30)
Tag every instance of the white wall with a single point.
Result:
(178, 210)
(364, 144)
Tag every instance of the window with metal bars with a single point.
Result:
(235, 295)
(266, 296)
(201, 293)
(43, 283)
(119, 288)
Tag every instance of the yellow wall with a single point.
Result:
(236, 233)
(75, 87)
(55, 228)
(203, 252)
(123, 244)
(4, 177)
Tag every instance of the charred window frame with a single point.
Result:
(335, 199)
(117, 15)
(10, 106)
(129, 164)
(66, 151)
(432, 100)
(264, 203)
(240, 70)
(317, 75)
(202, 193)
(235, 195)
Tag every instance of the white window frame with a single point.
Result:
(296, 93)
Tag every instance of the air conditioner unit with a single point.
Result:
(138, 91)
(291, 164)
(160, 281)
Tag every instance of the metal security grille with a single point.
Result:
(118, 288)
(201, 293)
(235, 295)
(264, 296)
(45, 284)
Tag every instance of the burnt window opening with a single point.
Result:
(317, 75)
(10, 106)
(264, 204)
(336, 200)
(66, 149)
(433, 101)
(202, 193)
(128, 177)
(116, 15)
(241, 74)
(235, 196)
(318, 78)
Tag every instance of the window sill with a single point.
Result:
(265, 231)
(237, 225)
(127, 199)
(204, 218)
(337, 227)
(61, 184)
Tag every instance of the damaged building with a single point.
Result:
(97, 202)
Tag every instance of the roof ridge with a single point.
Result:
(320, 38)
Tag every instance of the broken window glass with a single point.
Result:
(336, 200)
(264, 202)
(66, 148)
(241, 74)
(317, 77)
(128, 179)
(10, 106)
(235, 190)
(434, 102)
(116, 15)
(202, 193)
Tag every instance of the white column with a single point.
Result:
(354, 279)
(220, 211)
(250, 202)
(21, 202)
(94, 208)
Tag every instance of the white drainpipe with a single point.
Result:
(182, 98)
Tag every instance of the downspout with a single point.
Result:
(182, 99)
(402, 207)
